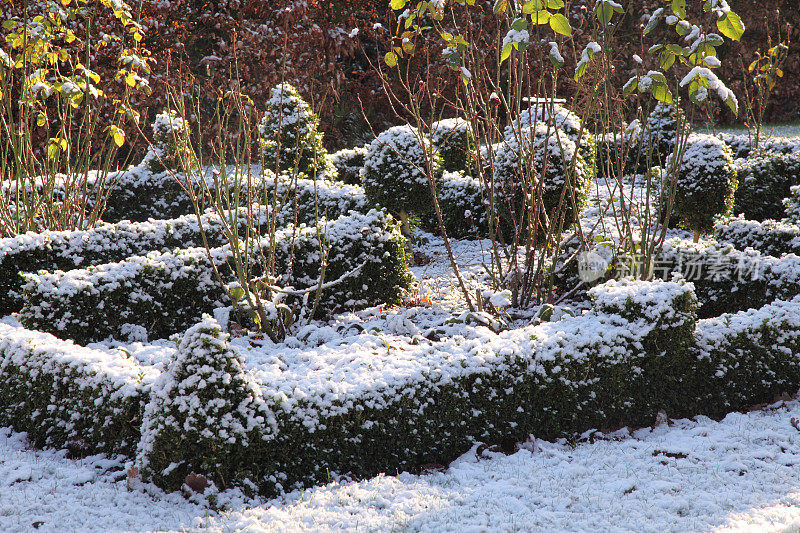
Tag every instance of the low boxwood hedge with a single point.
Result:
(726, 280)
(386, 412)
(68, 396)
(769, 237)
(765, 179)
(166, 292)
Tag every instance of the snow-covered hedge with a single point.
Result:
(68, 396)
(304, 200)
(363, 411)
(565, 120)
(706, 182)
(726, 280)
(106, 243)
(290, 136)
(765, 179)
(455, 141)
(541, 147)
(661, 130)
(394, 174)
(769, 237)
(348, 163)
(746, 358)
(165, 292)
(741, 145)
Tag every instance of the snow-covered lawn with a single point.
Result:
(688, 475)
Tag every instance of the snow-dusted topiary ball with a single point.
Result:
(661, 130)
(348, 163)
(706, 183)
(290, 136)
(171, 144)
(518, 167)
(765, 180)
(394, 174)
(204, 411)
(562, 118)
(454, 139)
(463, 209)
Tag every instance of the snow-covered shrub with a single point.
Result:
(165, 292)
(140, 193)
(461, 199)
(746, 358)
(172, 148)
(541, 148)
(557, 117)
(455, 141)
(290, 136)
(67, 396)
(742, 147)
(661, 130)
(765, 179)
(739, 143)
(348, 163)
(204, 414)
(394, 174)
(769, 237)
(621, 150)
(706, 182)
(791, 205)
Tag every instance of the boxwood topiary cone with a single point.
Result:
(291, 123)
(706, 183)
(394, 174)
(172, 147)
(204, 413)
(765, 181)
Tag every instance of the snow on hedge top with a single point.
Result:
(20, 346)
(652, 299)
(399, 149)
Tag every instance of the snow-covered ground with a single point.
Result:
(689, 475)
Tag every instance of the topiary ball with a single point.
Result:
(661, 130)
(172, 147)
(562, 118)
(765, 180)
(394, 174)
(348, 163)
(518, 166)
(454, 139)
(461, 199)
(289, 135)
(706, 182)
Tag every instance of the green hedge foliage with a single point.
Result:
(540, 147)
(769, 237)
(394, 174)
(165, 292)
(348, 163)
(456, 143)
(765, 180)
(68, 396)
(290, 138)
(706, 183)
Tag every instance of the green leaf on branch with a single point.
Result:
(540, 17)
(398, 4)
(731, 26)
(506, 53)
(679, 8)
(560, 24)
(391, 59)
